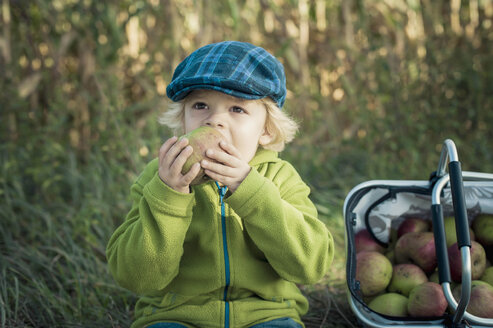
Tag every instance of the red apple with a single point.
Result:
(478, 261)
(413, 224)
(417, 248)
(481, 301)
(364, 241)
(427, 300)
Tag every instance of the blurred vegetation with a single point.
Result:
(376, 85)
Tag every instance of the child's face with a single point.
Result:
(241, 121)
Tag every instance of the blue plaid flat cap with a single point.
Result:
(236, 68)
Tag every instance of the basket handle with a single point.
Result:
(442, 256)
(461, 222)
(457, 189)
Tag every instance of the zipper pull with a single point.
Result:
(222, 191)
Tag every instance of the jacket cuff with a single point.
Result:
(164, 198)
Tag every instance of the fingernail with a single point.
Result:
(204, 162)
(209, 152)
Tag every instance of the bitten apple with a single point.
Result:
(201, 139)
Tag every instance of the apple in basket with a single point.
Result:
(483, 229)
(392, 304)
(434, 277)
(373, 271)
(488, 275)
(478, 261)
(457, 289)
(201, 139)
(413, 224)
(427, 300)
(405, 277)
(481, 301)
(417, 248)
(450, 233)
(364, 241)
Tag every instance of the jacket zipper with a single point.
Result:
(222, 192)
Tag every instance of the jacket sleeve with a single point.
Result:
(145, 251)
(283, 223)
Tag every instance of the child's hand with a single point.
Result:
(172, 155)
(230, 170)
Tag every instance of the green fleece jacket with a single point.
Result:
(215, 259)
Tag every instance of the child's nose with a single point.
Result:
(216, 120)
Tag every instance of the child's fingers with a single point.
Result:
(174, 151)
(191, 174)
(230, 149)
(166, 146)
(217, 177)
(180, 159)
(217, 167)
(223, 157)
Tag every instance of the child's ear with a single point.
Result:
(265, 138)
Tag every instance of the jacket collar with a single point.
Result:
(264, 156)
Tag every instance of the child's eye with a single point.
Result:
(236, 109)
(200, 105)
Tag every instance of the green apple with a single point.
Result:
(405, 277)
(488, 276)
(373, 271)
(434, 277)
(483, 228)
(450, 232)
(392, 304)
(201, 139)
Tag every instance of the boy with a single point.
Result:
(229, 252)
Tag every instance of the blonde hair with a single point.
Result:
(278, 124)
